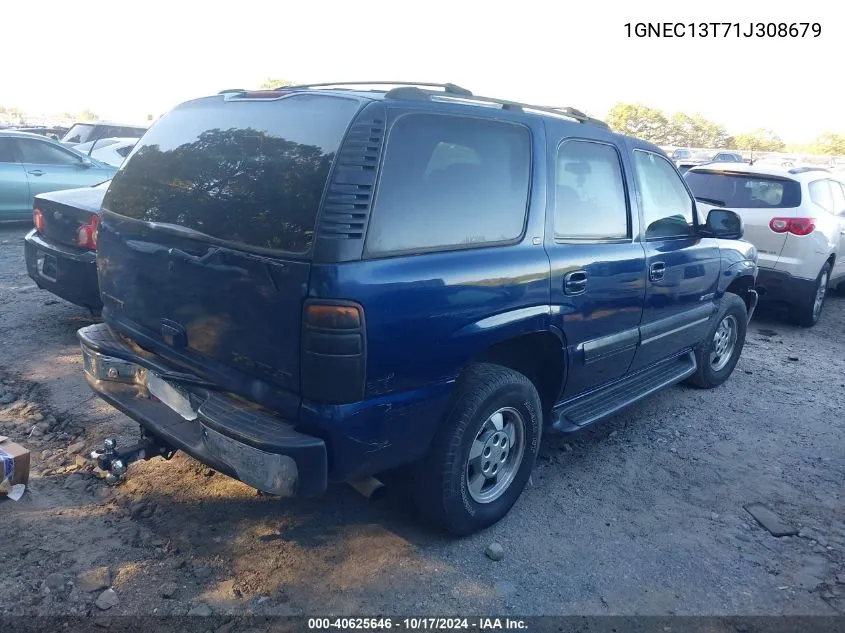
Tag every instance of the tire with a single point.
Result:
(486, 396)
(808, 312)
(731, 320)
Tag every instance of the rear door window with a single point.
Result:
(590, 198)
(450, 182)
(244, 172)
(744, 191)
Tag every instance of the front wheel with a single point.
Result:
(483, 452)
(718, 354)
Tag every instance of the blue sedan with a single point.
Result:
(31, 164)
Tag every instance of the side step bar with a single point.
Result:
(585, 410)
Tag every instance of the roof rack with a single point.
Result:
(421, 90)
(447, 87)
(804, 170)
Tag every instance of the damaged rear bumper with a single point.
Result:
(225, 433)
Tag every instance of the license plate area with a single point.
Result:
(171, 396)
(47, 266)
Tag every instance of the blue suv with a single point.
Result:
(322, 283)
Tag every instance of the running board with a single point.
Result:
(592, 407)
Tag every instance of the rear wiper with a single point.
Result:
(718, 203)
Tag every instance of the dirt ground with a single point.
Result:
(640, 515)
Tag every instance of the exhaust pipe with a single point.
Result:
(370, 488)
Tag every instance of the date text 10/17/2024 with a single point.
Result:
(723, 29)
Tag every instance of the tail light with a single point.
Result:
(796, 226)
(86, 235)
(38, 219)
(333, 352)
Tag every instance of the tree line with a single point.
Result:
(684, 130)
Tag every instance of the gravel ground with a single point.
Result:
(640, 515)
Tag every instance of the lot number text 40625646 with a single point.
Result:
(723, 29)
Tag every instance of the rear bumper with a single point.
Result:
(777, 285)
(225, 433)
(67, 272)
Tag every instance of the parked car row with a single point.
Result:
(323, 283)
(796, 219)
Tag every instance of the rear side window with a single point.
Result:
(245, 172)
(838, 197)
(448, 182)
(589, 195)
(821, 195)
(744, 191)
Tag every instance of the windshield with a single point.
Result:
(98, 144)
(79, 133)
(249, 172)
(744, 191)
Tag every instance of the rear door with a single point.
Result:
(15, 199)
(756, 197)
(205, 240)
(682, 267)
(597, 265)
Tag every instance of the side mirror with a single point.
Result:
(724, 224)
(87, 162)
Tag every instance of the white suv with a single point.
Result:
(796, 220)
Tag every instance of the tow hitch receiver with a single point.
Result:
(115, 462)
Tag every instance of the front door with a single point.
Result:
(597, 267)
(51, 168)
(15, 201)
(682, 267)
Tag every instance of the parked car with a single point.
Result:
(54, 133)
(681, 153)
(322, 284)
(795, 217)
(61, 250)
(727, 157)
(697, 158)
(111, 151)
(31, 164)
(83, 132)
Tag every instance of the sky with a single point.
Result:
(126, 59)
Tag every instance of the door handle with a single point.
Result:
(575, 283)
(36, 172)
(656, 271)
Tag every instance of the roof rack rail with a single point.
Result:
(413, 92)
(228, 90)
(447, 87)
(804, 170)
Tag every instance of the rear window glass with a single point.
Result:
(247, 172)
(450, 181)
(744, 191)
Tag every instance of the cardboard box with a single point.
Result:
(14, 468)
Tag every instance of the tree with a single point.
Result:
(274, 83)
(639, 120)
(87, 115)
(761, 140)
(829, 143)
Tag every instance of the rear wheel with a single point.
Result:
(483, 453)
(719, 353)
(809, 310)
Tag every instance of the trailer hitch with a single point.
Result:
(115, 462)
